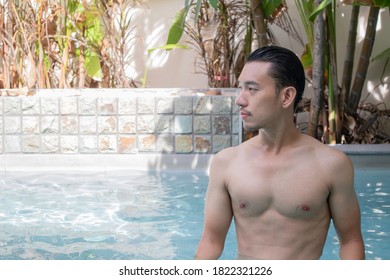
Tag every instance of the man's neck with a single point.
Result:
(275, 140)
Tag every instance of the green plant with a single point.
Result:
(222, 32)
(66, 43)
(332, 109)
(385, 55)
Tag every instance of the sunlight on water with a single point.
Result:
(140, 215)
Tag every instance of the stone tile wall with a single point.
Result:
(118, 122)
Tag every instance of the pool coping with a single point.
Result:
(367, 156)
(363, 157)
(363, 149)
(102, 162)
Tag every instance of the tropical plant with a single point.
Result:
(335, 113)
(66, 43)
(223, 32)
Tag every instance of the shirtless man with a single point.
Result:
(282, 187)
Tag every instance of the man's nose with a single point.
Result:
(240, 99)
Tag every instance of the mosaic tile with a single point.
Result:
(69, 144)
(89, 144)
(146, 105)
(164, 105)
(202, 124)
(222, 105)
(183, 144)
(87, 125)
(30, 125)
(12, 105)
(202, 105)
(221, 125)
(185, 122)
(165, 144)
(30, 144)
(127, 105)
(127, 144)
(183, 105)
(107, 106)
(49, 106)
(108, 143)
(127, 124)
(69, 125)
(147, 143)
(145, 124)
(221, 142)
(12, 125)
(31, 106)
(202, 144)
(50, 144)
(12, 144)
(68, 105)
(49, 124)
(165, 124)
(88, 106)
(107, 124)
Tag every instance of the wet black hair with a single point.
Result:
(286, 69)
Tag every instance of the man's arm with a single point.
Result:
(345, 210)
(218, 213)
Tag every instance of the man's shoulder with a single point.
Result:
(333, 159)
(326, 153)
(227, 154)
(333, 154)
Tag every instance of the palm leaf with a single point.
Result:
(383, 55)
(319, 9)
(214, 3)
(177, 27)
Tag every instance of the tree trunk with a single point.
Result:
(349, 57)
(81, 82)
(259, 23)
(333, 91)
(364, 61)
(318, 75)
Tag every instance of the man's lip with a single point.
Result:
(244, 114)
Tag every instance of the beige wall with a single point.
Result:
(176, 68)
(378, 93)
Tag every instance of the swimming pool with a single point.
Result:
(140, 215)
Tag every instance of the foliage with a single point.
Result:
(66, 43)
(222, 33)
(335, 113)
(385, 55)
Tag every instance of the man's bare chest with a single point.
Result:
(291, 192)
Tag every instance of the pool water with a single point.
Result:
(373, 190)
(140, 215)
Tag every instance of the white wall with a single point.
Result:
(176, 68)
(372, 84)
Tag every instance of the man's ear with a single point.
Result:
(288, 96)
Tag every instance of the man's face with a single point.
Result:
(257, 98)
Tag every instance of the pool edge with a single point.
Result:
(363, 157)
(102, 162)
(367, 156)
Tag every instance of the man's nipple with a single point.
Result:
(303, 207)
(242, 205)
